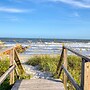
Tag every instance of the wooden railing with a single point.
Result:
(85, 70)
(14, 62)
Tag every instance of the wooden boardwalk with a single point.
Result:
(44, 84)
(38, 84)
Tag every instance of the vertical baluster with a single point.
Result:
(82, 74)
(87, 76)
(65, 65)
(60, 61)
(12, 63)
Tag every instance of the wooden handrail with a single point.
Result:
(6, 50)
(84, 69)
(71, 78)
(14, 61)
(16, 58)
(6, 74)
(78, 53)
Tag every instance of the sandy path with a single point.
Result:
(34, 70)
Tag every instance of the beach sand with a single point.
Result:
(33, 70)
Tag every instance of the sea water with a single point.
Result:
(48, 46)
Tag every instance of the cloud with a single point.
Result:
(12, 10)
(78, 3)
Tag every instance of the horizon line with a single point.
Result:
(44, 38)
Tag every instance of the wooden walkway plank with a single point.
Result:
(38, 84)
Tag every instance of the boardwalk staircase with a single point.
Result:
(16, 68)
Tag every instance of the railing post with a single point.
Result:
(60, 61)
(65, 65)
(12, 63)
(82, 74)
(19, 65)
(87, 76)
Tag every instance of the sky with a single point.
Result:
(63, 19)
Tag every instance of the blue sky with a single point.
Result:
(64, 19)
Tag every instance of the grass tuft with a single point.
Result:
(49, 63)
(45, 62)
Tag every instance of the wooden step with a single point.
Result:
(38, 84)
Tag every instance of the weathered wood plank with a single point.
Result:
(11, 64)
(65, 65)
(78, 53)
(19, 65)
(74, 83)
(38, 84)
(60, 62)
(82, 74)
(6, 74)
(87, 76)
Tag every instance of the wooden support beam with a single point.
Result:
(87, 76)
(65, 65)
(74, 83)
(60, 62)
(82, 74)
(6, 74)
(17, 60)
(11, 64)
(78, 53)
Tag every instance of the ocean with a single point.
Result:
(48, 46)
(21, 40)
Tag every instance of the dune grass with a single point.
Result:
(49, 63)
(45, 62)
(4, 65)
